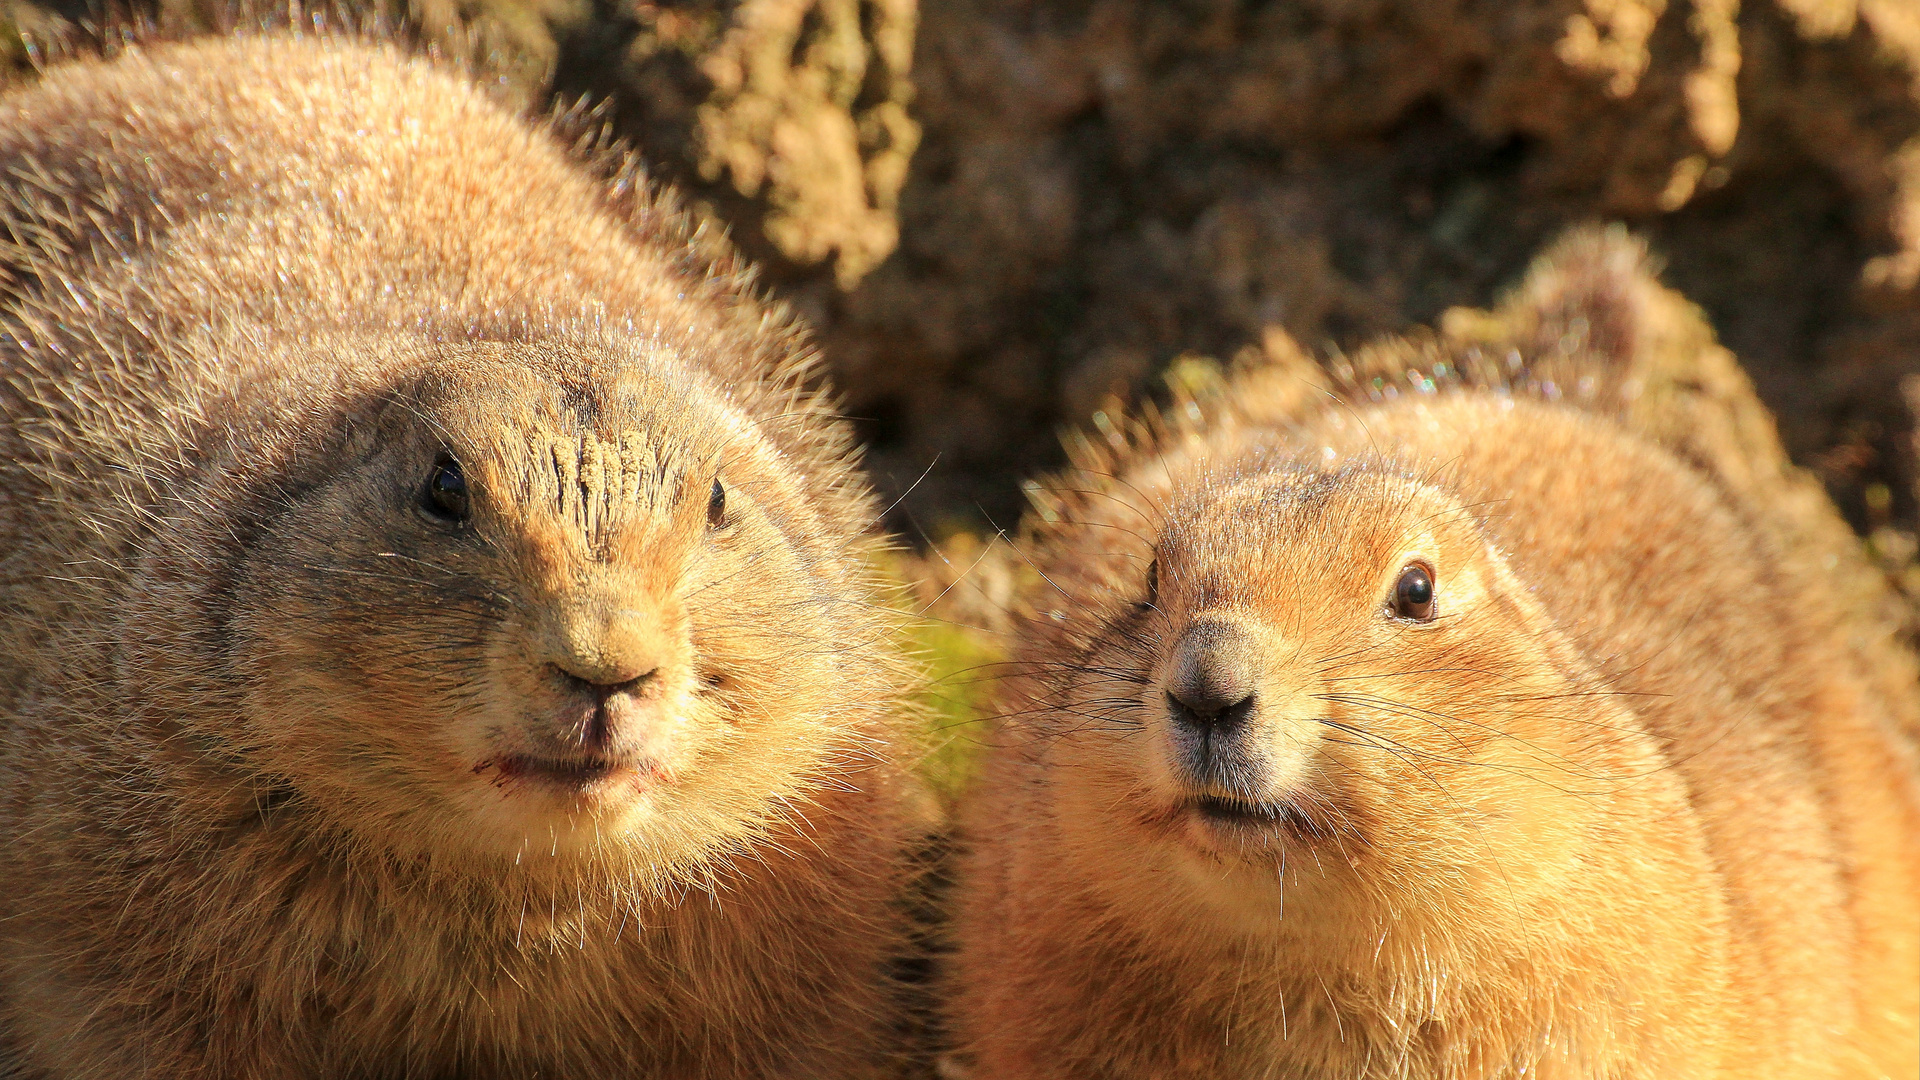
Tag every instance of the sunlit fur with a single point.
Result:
(1628, 806)
(280, 745)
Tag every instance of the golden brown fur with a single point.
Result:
(1632, 804)
(307, 774)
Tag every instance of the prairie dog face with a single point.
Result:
(1333, 668)
(542, 606)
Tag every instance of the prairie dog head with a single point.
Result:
(515, 602)
(1327, 678)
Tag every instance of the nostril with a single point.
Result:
(600, 708)
(1210, 709)
(639, 685)
(602, 690)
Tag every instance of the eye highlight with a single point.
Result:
(445, 498)
(717, 506)
(1413, 594)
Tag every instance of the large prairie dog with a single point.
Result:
(434, 637)
(1457, 736)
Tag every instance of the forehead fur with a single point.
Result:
(1255, 531)
(585, 432)
(589, 385)
(1261, 499)
(593, 403)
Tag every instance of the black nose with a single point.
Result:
(1210, 713)
(1212, 685)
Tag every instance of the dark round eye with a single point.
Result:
(446, 498)
(1413, 594)
(717, 506)
(1153, 583)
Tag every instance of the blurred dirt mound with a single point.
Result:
(1105, 186)
(1026, 204)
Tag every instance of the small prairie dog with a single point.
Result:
(1459, 736)
(435, 637)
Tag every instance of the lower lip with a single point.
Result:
(573, 777)
(1250, 820)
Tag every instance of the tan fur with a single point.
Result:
(1632, 805)
(280, 751)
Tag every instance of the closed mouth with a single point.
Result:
(570, 773)
(1235, 813)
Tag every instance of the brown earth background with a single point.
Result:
(998, 213)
